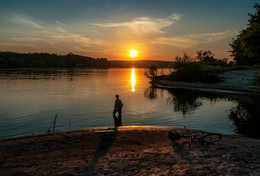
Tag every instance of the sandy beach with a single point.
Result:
(234, 81)
(127, 151)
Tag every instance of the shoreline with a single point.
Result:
(165, 84)
(104, 129)
(235, 82)
(129, 150)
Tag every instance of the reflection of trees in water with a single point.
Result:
(153, 93)
(246, 119)
(150, 93)
(245, 116)
(185, 102)
(45, 74)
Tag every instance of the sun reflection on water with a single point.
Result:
(133, 79)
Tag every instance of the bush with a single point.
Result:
(182, 62)
(194, 72)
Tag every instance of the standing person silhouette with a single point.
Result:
(118, 108)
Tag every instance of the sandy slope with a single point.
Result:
(235, 81)
(129, 151)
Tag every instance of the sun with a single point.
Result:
(133, 53)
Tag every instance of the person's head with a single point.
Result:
(117, 96)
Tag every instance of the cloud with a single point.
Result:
(28, 39)
(33, 33)
(213, 37)
(57, 35)
(181, 42)
(175, 16)
(26, 21)
(187, 41)
(143, 25)
(59, 23)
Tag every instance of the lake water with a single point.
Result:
(30, 99)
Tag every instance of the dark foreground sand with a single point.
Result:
(129, 151)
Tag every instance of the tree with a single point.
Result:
(151, 73)
(205, 56)
(182, 62)
(246, 46)
(188, 70)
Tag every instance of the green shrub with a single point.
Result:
(194, 72)
(191, 72)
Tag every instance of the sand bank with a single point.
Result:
(127, 151)
(234, 81)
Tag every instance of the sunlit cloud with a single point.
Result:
(187, 41)
(213, 37)
(22, 39)
(34, 34)
(175, 16)
(143, 25)
(61, 35)
(181, 42)
(111, 39)
(25, 21)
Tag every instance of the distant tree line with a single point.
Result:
(46, 60)
(140, 64)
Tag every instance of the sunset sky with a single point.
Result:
(156, 29)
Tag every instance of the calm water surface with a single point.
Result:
(29, 101)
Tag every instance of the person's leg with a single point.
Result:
(120, 117)
(120, 113)
(115, 118)
(114, 114)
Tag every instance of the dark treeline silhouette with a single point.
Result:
(140, 64)
(46, 60)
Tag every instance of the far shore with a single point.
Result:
(127, 150)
